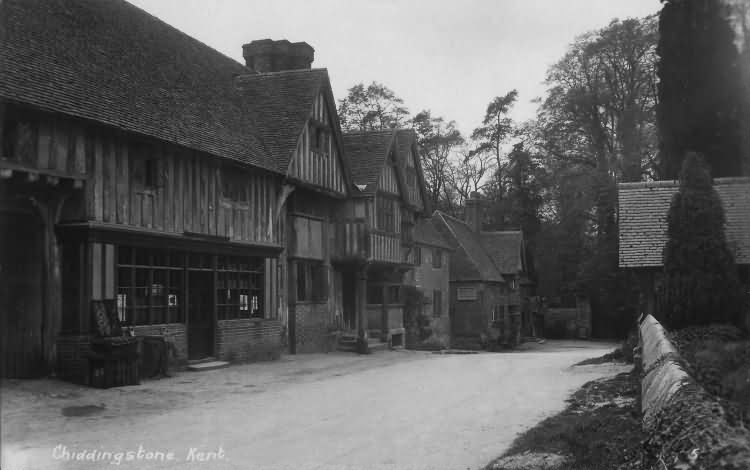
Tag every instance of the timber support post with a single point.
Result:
(362, 340)
(49, 208)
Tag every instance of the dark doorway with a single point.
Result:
(349, 287)
(21, 295)
(200, 314)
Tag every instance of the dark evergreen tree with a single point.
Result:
(700, 277)
(701, 94)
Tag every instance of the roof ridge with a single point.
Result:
(452, 217)
(371, 131)
(252, 74)
(675, 182)
(490, 232)
(466, 251)
(181, 32)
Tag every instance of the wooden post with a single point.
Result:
(2, 128)
(49, 207)
(362, 303)
(384, 314)
(291, 316)
(214, 308)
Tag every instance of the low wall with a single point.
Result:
(574, 322)
(72, 350)
(248, 339)
(678, 415)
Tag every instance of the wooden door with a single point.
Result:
(200, 314)
(21, 295)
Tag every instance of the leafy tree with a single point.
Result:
(702, 97)
(468, 172)
(437, 140)
(594, 128)
(525, 177)
(700, 277)
(374, 107)
(496, 128)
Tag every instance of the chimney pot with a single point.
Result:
(267, 55)
(473, 212)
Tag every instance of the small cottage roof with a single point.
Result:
(505, 249)
(643, 209)
(471, 261)
(425, 233)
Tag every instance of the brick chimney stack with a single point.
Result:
(473, 212)
(267, 55)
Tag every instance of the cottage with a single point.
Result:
(298, 122)
(142, 168)
(384, 208)
(427, 314)
(643, 209)
(488, 278)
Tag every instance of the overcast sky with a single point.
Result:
(452, 57)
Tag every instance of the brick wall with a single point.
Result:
(175, 333)
(311, 327)
(72, 363)
(568, 322)
(247, 339)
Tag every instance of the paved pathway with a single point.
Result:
(390, 410)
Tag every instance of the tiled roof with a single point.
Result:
(643, 219)
(471, 261)
(426, 233)
(405, 138)
(110, 62)
(506, 250)
(281, 103)
(366, 152)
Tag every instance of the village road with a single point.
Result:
(390, 410)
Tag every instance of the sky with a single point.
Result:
(451, 57)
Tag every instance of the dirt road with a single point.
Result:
(391, 410)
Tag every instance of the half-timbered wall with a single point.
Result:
(384, 206)
(414, 196)
(388, 181)
(147, 184)
(316, 160)
(54, 147)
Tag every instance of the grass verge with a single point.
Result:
(599, 430)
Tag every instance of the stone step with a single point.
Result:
(377, 346)
(208, 365)
(347, 347)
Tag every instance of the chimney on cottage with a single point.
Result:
(267, 55)
(473, 213)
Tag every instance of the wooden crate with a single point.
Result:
(107, 371)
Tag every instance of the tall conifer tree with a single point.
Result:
(701, 95)
(701, 284)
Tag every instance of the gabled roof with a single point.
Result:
(643, 219)
(282, 102)
(367, 152)
(425, 233)
(111, 62)
(406, 140)
(471, 261)
(505, 249)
